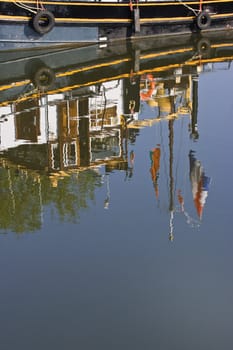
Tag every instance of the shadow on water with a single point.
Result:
(69, 118)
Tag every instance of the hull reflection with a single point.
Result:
(67, 113)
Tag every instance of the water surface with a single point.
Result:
(117, 200)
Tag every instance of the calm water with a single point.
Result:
(116, 232)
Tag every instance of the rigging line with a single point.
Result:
(157, 134)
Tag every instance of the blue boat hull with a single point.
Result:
(84, 22)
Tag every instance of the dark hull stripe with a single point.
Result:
(98, 12)
(124, 4)
(115, 20)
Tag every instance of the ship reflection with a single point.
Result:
(67, 120)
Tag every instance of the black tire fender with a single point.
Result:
(43, 78)
(203, 47)
(203, 20)
(43, 22)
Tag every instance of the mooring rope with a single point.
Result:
(31, 9)
(196, 12)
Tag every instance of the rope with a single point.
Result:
(196, 12)
(25, 7)
(31, 9)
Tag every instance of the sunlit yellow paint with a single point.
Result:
(15, 84)
(14, 18)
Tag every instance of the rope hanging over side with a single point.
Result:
(31, 9)
(196, 12)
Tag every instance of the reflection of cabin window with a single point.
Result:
(55, 156)
(70, 154)
(63, 156)
(27, 120)
(103, 117)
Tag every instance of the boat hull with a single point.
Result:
(91, 22)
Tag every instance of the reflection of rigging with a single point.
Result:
(171, 186)
(199, 182)
(189, 220)
(107, 198)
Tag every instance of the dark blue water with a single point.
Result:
(136, 257)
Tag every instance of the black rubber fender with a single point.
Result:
(203, 20)
(43, 22)
(43, 78)
(204, 47)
